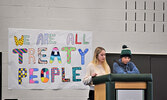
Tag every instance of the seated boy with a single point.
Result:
(124, 65)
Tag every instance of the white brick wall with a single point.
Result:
(105, 18)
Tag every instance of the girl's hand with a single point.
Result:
(94, 74)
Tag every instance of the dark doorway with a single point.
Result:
(1, 75)
(159, 71)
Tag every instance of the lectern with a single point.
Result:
(107, 85)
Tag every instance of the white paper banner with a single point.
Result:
(48, 59)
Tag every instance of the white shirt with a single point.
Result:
(91, 68)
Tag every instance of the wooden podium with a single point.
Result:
(106, 85)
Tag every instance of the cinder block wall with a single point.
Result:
(141, 24)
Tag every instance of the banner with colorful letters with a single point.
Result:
(48, 59)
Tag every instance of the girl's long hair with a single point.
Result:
(96, 61)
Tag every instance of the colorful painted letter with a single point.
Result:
(44, 79)
(63, 76)
(21, 74)
(20, 53)
(31, 76)
(20, 41)
(82, 55)
(68, 49)
(84, 42)
(76, 39)
(43, 39)
(70, 37)
(31, 52)
(53, 73)
(75, 74)
(55, 50)
(40, 61)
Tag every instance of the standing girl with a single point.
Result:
(97, 67)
